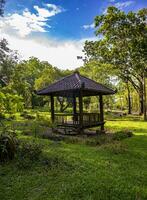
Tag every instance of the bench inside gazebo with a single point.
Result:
(76, 87)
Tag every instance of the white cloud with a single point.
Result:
(27, 22)
(62, 54)
(88, 26)
(51, 11)
(119, 5)
(122, 5)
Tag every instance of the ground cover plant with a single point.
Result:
(76, 170)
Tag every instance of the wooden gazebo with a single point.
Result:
(76, 86)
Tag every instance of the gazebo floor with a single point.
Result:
(85, 125)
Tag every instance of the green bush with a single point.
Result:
(120, 135)
(116, 148)
(99, 140)
(10, 103)
(26, 115)
(2, 116)
(8, 146)
(28, 153)
(108, 138)
(73, 140)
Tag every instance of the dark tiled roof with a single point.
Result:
(74, 83)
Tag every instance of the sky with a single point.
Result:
(55, 30)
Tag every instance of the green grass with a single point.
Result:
(113, 171)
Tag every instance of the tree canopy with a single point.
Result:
(122, 42)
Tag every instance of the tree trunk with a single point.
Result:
(141, 102)
(144, 94)
(129, 100)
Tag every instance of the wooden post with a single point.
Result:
(101, 112)
(52, 109)
(81, 110)
(74, 105)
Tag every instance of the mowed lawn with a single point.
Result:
(82, 171)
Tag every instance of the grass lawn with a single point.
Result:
(84, 172)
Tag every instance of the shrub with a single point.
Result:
(26, 115)
(51, 136)
(27, 153)
(116, 148)
(12, 117)
(23, 114)
(2, 116)
(8, 146)
(73, 140)
(120, 135)
(10, 103)
(29, 116)
(99, 140)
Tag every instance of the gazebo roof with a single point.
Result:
(72, 84)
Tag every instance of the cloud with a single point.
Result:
(27, 22)
(122, 5)
(88, 26)
(62, 54)
(119, 5)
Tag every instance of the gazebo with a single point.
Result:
(77, 86)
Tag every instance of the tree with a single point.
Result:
(32, 75)
(122, 43)
(100, 72)
(8, 61)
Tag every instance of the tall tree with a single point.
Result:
(8, 60)
(123, 43)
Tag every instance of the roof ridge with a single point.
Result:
(77, 75)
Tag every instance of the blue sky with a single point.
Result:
(57, 28)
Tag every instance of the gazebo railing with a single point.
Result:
(89, 119)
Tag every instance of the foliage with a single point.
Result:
(56, 162)
(122, 43)
(116, 148)
(8, 60)
(27, 153)
(10, 103)
(122, 135)
(78, 171)
(99, 140)
(2, 116)
(8, 146)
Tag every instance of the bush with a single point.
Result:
(120, 135)
(2, 116)
(99, 140)
(116, 148)
(26, 115)
(8, 146)
(27, 153)
(12, 117)
(10, 103)
(73, 140)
